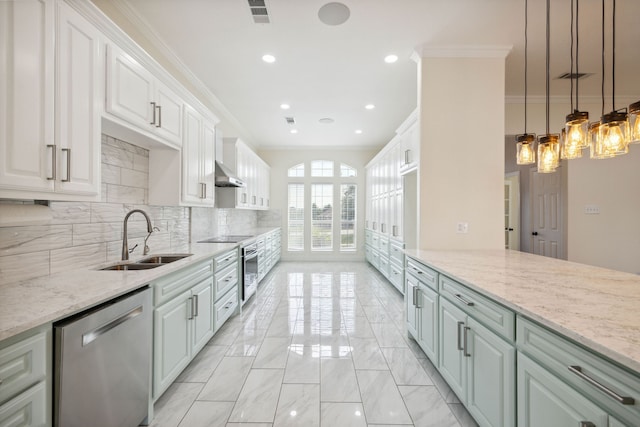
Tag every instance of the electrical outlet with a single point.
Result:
(591, 209)
(463, 227)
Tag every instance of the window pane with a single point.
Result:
(322, 168)
(348, 217)
(295, 222)
(347, 171)
(297, 171)
(321, 217)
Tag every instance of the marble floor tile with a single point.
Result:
(367, 354)
(303, 365)
(342, 414)
(445, 391)
(299, 405)
(207, 414)
(377, 314)
(174, 404)
(338, 382)
(359, 327)
(227, 380)
(388, 335)
(426, 407)
(405, 368)
(247, 343)
(334, 346)
(381, 399)
(273, 353)
(203, 365)
(281, 326)
(259, 396)
(249, 425)
(463, 416)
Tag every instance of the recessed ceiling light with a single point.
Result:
(334, 13)
(369, 106)
(269, 58)
(294, 131)
(285, 106)
(390, 59)
(358, 131)
(326, 120)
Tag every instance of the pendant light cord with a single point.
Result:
(613, 59)
(572, 76)
(602, 85)
(526, 43)
(548, 57)
(577, 52)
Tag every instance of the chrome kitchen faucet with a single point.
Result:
(125, 242)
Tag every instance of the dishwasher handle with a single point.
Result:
(89, 337)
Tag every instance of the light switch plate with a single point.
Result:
(591, 209)
(463, 227)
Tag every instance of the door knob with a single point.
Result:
(535, 233)
(508, 229)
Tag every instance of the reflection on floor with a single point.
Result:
(321, 344)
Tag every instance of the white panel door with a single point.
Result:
(546, 235)
(27, 147)
(80, 93)
(168, 123)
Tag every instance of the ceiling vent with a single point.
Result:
(290, 120)
(574, 76)
(259, 11)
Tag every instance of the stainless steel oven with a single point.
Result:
(249, 271)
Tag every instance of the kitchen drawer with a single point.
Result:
(221, 261)
(424, 274)
(368, 238)
(396, 276)
(396, 252)
(494, 316)
(383, 265)
(225, 280)
(22, 365)
(26, 409)
(383, 245)
(557, 354)
(224, 308)
(168, 287)
(375, 241)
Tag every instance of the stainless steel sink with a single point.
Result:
(131, 266)
(162, 259)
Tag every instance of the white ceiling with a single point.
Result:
(333, 71)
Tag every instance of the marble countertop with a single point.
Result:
(596, 307)
(31, 303)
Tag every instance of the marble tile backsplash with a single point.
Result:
(87, 234)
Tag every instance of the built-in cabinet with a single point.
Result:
(250, 168)
(25, 379)
(269, 250)
(50, 110)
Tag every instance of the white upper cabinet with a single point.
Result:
(136, 96)
(50, 144)
(410, 136)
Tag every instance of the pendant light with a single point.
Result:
(525, 147)
(614, 126)
(548, 144)
(634, 121)
(576, 131)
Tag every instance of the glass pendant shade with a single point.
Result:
(577, 129)
(614, 133)
(634, 122)
(569, 148)
(548, 153)
(525, 149)
(597, 149)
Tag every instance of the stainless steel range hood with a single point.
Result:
(226, 178)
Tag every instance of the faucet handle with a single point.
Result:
(133, 248)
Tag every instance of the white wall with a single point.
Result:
(281, 160)
(461, 104)
(612, 238)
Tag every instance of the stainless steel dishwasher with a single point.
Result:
(103, 363)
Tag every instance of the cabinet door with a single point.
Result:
(490, 377)
(545, 401)
(209, 161)
(242, 193)
(27, 88)
(428, 328)
(452, 363)
(202, 295)
(192, 187)
(168, 124)
(27, 409)
(78, 103)
(413, 315)
(171, 341)
(398, 226)
(129, 90)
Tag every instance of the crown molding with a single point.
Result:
(490, 51)
(621, 101)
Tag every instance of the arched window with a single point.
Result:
(347, 171)
(296, 171)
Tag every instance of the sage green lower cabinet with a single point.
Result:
(27, 409)
(202, 296)
(422, 316)
(478, 365)
(545, 401)
(616, 423)
(413, 312)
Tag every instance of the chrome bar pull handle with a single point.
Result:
(89, 337)
(465, 352)
(153, 110)
(418, 298)
(54, 162)
(195, 305)
(464, 301)
(68, 151)
(625, 400)
(190, 308)
(460, 347)
(159, 125)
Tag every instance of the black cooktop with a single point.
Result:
(226, 239)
